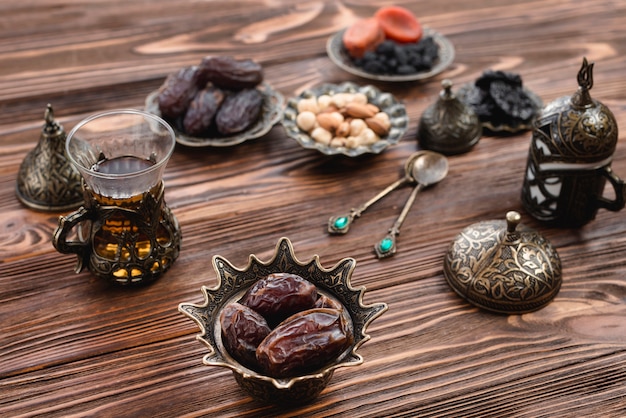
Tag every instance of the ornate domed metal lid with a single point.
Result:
(577, 129)
(449, 126)
(46, 179)
(503, 267)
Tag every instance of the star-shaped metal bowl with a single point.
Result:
(233, 283)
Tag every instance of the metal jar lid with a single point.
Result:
(576, 129)
(503, 267)
(46, 179)
(449, 126)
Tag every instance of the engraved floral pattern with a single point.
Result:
(500, 271)
(233, 282)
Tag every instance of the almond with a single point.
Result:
(331, 108)
(328, 121)
(357, 110)
(373, 107)
(378, 126)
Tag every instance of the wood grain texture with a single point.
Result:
(73, 346)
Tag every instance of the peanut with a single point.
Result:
(306, 120)
(324, 101)
(343, 129)
(321, 135)
(356, 126)
(309, 104)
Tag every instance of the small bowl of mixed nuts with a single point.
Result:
(283, 326)
(345, 119)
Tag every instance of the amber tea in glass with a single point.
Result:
(127, 234)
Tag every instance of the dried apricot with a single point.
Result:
(362, 36)
(399, 24)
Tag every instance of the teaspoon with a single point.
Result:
(341, 224)
(428, 168)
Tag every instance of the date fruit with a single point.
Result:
(326, 302)
(230, 73)
(239, 111)
(202, 109)
(242, 331)
(177, 91)
(279, 296)
(304, 342)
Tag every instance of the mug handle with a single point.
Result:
(66, 224)
(620, 192)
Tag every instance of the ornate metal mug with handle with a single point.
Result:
(570, 157)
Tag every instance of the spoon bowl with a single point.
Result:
(429, 168)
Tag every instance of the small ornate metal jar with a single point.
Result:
(570, 157)
(46, 179)
(503, 267)
(448, 126)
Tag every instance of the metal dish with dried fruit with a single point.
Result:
(445, 56)
(293, 377)
(222, 101)
(501, 101)
(345, 119)
(271, 113)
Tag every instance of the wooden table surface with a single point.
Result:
(72, 345)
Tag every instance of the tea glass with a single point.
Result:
(124, 232)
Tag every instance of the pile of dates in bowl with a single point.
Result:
(222, 101)
(283, 326)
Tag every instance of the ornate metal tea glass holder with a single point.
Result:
(129, 244)
(569, 159)
(126, 233)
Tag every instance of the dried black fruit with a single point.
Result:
(393, 58)
(201, 110)
(512, 100)
(498, 97)
(230, 73)
(239, 111)
(176, 92)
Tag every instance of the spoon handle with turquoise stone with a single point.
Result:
(386, 247)
(341, 224)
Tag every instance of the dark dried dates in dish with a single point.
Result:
(195, 98)
(280, 295)
(284, 327)
(304, 342)
(243, 330)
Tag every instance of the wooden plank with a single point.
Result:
(73, 346)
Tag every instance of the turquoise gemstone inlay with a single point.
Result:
(341, 223)
(385, 245)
